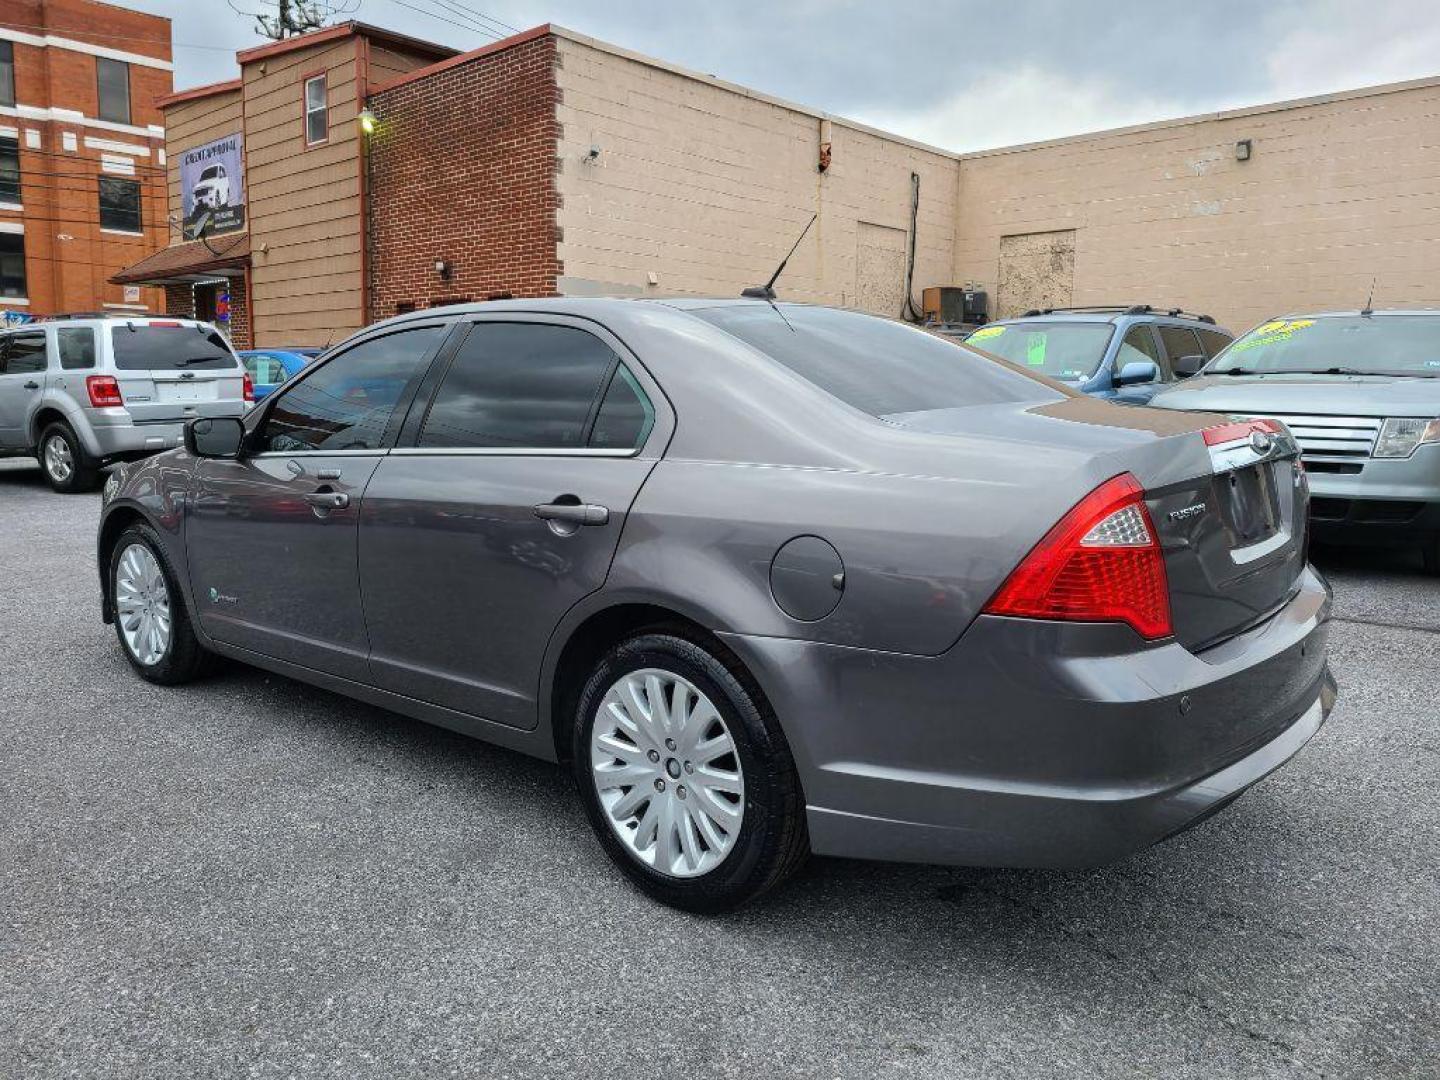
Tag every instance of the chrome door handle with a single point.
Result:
(573, 513)
(328, 500)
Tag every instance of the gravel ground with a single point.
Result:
(249, 877)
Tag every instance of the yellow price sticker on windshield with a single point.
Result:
(1271, 333)
(986, 332)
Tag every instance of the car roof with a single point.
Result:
(1377, 313)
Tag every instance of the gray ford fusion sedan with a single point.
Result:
(771, 578)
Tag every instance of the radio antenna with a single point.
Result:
(1369, 308)
(767, 291)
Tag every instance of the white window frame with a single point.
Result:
(323, 109)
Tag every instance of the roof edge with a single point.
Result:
(195, 93)
(462, 58)
(336, 32)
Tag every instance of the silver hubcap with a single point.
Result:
(142, 603)
(667, 773)
(58, 461)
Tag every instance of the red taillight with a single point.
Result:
(1241, 429)
(166, 325)
(1100, 563)
(249, 387)
(104, 391)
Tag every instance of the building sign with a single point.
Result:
(212, 187)
(132, 294)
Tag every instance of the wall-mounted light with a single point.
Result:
(367, 121)
(1242, 150)
(443, 269)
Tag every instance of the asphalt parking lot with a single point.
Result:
(250, 877)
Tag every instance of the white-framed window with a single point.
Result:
(317, 118)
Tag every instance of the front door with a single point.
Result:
(272, 537)
(505, 512)
(22, 381)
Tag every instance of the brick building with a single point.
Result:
(553, 163)
(82, 154)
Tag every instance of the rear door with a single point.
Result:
(271, 538)
(23, 366)
(171, 371)
(504, 509)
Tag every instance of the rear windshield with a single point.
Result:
(1060, 350)
(1339, 344)
(144, 347)
(875, 365)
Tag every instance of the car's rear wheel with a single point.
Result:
(64, 462)
(686, 775)
(150, 617)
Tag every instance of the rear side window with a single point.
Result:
(172, 347)
(1213, 341)
(1180, 341)
(77, 347)
(875, 365)
(625, 417)
(26, 354)
(521, 386)
(347, 403)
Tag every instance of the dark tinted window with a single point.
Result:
(881, 367)
(1180, 341)
(119, 204)
(12, 264)
(9, 171)
(26, 354)
(77, 347)
(625, 417)
(113, 77)
(519, 385)
(158, 347)
(7, 74)
(1213, 341)
(347, 402)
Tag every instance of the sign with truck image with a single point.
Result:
(212, 187)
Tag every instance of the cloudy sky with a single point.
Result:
(959, 75)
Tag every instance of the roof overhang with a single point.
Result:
(189, 263)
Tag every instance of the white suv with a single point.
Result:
(79, 393)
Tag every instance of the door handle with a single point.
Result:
(32, 385)
(573, 513)
(328, 500)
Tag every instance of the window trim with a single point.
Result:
(321, 76)
(100, 182)
(129, 120)
(19, 203)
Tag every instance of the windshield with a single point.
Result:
(1338, 344)
(153, 347)
(876, 365)
(1060, 350)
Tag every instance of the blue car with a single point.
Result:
(269, 368)
(1125, 354)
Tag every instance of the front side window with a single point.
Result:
(7, 74)
(120, 204)
(10, 171)
(77, 347)
(26, 354)
(317, 113)
(113, 79)
(12, 264)
(347, 403)
(521, 386)
(1138, 347)
(1061, 350)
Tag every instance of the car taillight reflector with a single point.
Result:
(104, 391)
(1100, 563)
(1240, 429)
(166, 325)
(249, 385)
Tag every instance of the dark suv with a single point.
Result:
(1123, 353)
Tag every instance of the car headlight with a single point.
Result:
(1400, 436)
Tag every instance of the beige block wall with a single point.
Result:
(1338, 190)
(707, 185)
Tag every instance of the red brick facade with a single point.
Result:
(180, 300)
(462, 171)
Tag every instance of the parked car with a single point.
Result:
(1122, 353)
(80, 393)
(771, 578)
(212, 189)
(269, 368)
(1360, 390)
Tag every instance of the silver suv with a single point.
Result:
(82, 392)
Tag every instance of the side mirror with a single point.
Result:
(1187, 366)
(1137, 371)
(215, 437)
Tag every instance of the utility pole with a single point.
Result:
(292, 17)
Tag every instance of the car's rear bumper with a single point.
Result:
(1034, 744)
(112, 434)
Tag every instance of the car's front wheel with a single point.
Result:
(686, 776)
(150, 617)
(63, 459)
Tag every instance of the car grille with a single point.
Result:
(1332, 437)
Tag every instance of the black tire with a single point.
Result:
(772, 841)
(84, 470)
(1430, 555)
(184, 659)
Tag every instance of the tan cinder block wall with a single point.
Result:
(706, 185)
(1338, 190)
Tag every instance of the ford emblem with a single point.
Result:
(1261, 441)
